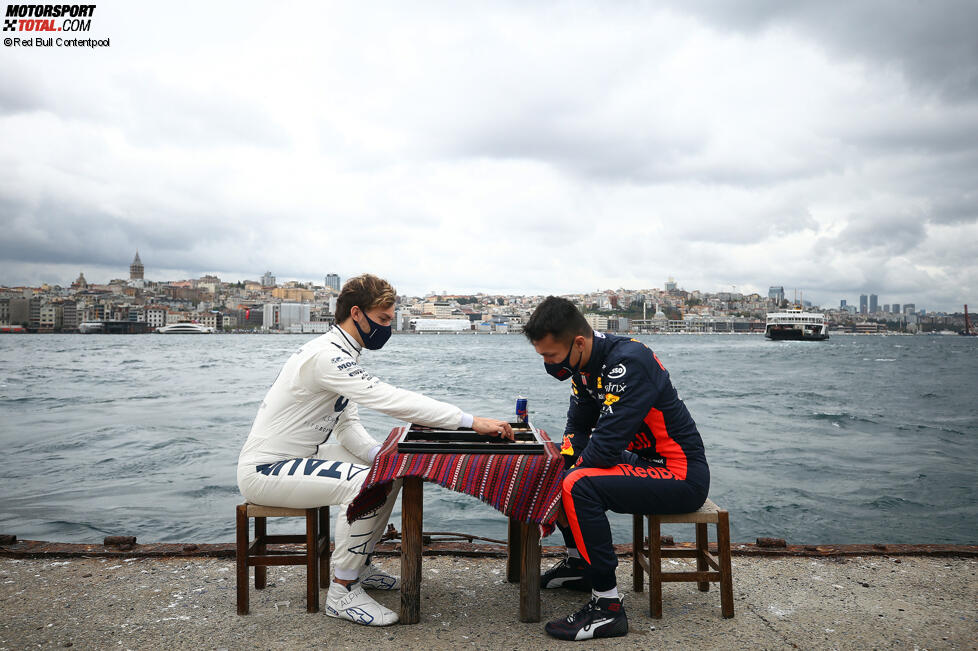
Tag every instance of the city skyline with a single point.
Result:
(513, 149)
(868, 303)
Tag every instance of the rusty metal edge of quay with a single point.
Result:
(44, 549)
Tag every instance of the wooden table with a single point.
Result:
(525, 488)
(522, 563)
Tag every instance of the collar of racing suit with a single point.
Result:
(348, 341)
(599, 351)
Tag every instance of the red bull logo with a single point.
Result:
(567, 447)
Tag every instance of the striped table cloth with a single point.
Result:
(525, 487)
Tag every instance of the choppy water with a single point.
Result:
(856, 439)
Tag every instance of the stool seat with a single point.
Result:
(256, 554)
(649, 559)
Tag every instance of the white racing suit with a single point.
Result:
(307, 447)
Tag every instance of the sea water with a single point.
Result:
(858, 439)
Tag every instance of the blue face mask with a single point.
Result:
(563, 370)
(376, 337)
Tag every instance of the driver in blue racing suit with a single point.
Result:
(631, 446)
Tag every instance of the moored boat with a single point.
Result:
(796, 324)
(185, 328)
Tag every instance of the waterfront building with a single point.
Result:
(873, 303)
(135, 269)
(69, 316)
(212, 319)
(402, 317)
(279, 316)
(294, 294)
(597, 322)
(95, 312)
(155, 316)
(333, 281)
(863, 304)
(440, 309)
(268, 280)
(50, 317)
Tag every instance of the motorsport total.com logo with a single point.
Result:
(34, 22)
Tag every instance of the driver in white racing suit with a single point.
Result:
(307, 447)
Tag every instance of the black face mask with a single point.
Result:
(378, 335)
(563, 370)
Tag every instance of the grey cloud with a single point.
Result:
(54, 232)
(18, 92)
(957, 208)
(887, 234)
(177, 116)
(935, 43)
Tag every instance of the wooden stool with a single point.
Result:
(315, 557)
(650, 559)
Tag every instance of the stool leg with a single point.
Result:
(655, 567)
(312, 560)
(702, 549)
(323, 546)
(261, 571)
(241, 557)
(638, 580)
(726, 572)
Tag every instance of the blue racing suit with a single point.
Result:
(632, 447)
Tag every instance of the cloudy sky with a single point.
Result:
(548, 147)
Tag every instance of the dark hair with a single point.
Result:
(558, 317)
(366, 291)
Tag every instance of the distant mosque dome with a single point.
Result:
(80, 282)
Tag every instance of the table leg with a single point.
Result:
(513, 554)
(529, 573)
(411, 518)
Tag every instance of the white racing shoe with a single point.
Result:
(354, 604)
(373, 578)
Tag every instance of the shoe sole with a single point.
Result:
(576, 584)
(357, 616)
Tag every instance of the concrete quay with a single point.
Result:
(782, 602)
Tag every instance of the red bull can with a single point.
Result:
(521, 413)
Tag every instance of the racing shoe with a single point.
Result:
(373, 578)
(353, 603)
(570, 573)
(600, 617)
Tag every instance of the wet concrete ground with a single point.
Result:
(781, 603)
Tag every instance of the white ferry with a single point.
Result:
(793, 323)
(185, 328)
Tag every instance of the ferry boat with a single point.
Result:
(796, 324)
(185, 328)
(90, 327)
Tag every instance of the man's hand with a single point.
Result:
(493, 427)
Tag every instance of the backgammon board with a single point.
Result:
(418, 439)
